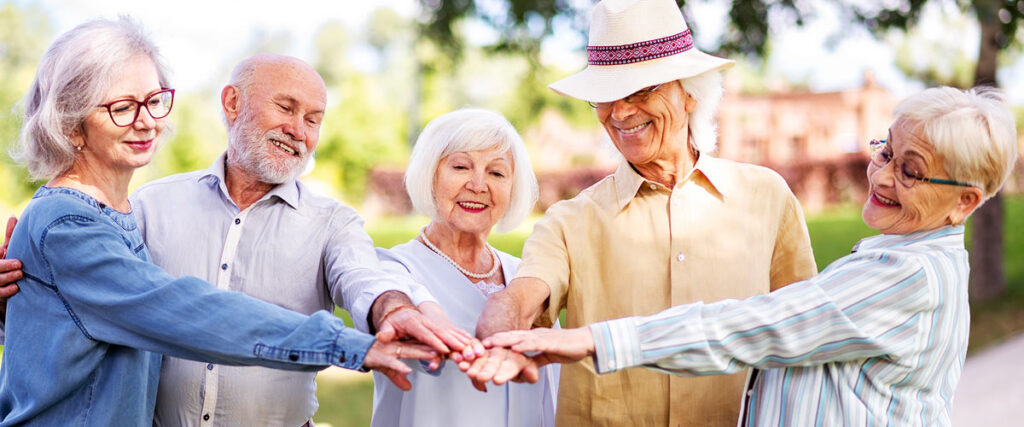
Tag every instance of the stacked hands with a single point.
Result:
(426, 334)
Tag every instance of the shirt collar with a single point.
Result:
(949, 236)
(707, 172)
(287, 192)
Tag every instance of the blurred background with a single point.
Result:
(815, 81)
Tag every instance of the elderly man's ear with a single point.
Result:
(230, 100)
(970, 199)
(691, 103)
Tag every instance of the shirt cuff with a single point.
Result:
(352, 347)
(616, 345)
(361, 307)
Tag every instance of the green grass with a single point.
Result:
(344, 403)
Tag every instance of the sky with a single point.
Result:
(201, 39)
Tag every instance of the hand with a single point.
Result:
(435, 313)
(554, 345)
(10, 269)
(407, 322)
(384, 357)
(500, 366)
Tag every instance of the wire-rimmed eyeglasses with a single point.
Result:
(881, 156)
(633, 98)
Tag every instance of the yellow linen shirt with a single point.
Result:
(627, 246)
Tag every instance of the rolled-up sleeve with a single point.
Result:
(546, 257)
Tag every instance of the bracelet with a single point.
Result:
(394, 310)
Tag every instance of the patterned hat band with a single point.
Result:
(639, 52)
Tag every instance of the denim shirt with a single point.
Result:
(93, 312)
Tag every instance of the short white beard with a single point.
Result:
(249, 150)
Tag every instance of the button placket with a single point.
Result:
(227, 257)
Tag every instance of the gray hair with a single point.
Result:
(706, 88)
(465, 130)
(74, 76)
(973, 130)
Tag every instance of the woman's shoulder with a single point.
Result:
(50, 205)
(402, 255)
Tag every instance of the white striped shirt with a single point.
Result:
(877, 338)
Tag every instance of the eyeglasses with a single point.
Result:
(636, 97)
(881, 155)
(124, 112)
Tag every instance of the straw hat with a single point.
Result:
(635, 44)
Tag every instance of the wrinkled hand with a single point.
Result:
(500, 365)
(10, 269)
(411, 323)
(436, 314)
(384, 357)
(553, 345)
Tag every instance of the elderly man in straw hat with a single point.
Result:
(672, 225)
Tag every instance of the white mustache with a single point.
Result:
(296, 145)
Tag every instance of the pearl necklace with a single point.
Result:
(494, 259)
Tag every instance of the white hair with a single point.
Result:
(465, 130)
(706, 88)
(972, 130)
(74, 76)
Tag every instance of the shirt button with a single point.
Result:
(209, 367)
(238, 221)
(675, 202)
(223, 266)
(653, 187)
(680, 257)
(206, 417)
(293, 357)
(341, 359)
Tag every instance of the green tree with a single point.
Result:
(363, 125)
(24, 33)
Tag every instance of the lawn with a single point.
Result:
(833, 234)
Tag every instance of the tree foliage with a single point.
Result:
(23, 36)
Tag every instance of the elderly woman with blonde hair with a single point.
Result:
(469, 172)
(878, 337)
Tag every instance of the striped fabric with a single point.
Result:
(877, 338)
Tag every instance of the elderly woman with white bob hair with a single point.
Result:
(469, 172)
(878, 337)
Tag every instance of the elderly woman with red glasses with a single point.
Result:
(878, 337)
(93, 313)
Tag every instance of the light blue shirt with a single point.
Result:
(93, 311)
(447, 398)
(292, 248)
(877, 338)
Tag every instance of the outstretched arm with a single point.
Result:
(515, 307)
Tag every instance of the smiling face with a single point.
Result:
(894, 208)
(472, 190)
(276, 125)
(123, 149)
(652, 130)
